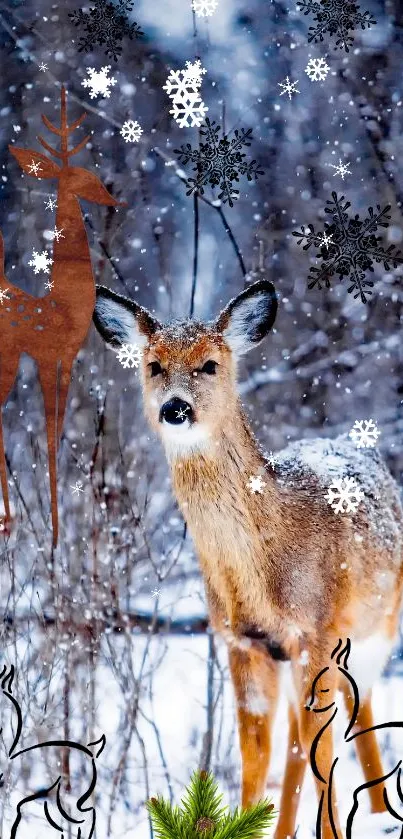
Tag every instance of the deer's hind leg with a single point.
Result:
(293, 779)
(48, 375)
(255, 677)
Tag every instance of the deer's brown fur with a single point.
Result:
(278, 564)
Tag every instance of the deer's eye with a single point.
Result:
(209, 367)
(155, 368)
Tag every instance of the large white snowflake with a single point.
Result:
(256, 484)
(182, 87)
(131, 131)
(342, 169)
(344, 495)
(34, 168)
(365, 433)
(40, 262)
(289, 87)
(129, 355)
(204, 8)
(99, 82)
(317, 69)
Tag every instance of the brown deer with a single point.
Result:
(51, 329)
(285, 576)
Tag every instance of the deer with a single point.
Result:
(356, 730)
(285, 575)
(51, 329)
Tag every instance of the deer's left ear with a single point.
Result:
(248, 318)
(122, 321)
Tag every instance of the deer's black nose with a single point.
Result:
(176, 411)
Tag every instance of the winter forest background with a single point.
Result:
(110, 634)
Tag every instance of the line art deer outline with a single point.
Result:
(375, 775)
(85, 816)
(51, 329)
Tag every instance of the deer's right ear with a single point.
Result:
(247, 319)
(121, 321)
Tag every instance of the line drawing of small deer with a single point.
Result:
(363, 738)
(83, 818)
(285, 576)
(51, 329)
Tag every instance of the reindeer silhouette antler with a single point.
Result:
(63, 132)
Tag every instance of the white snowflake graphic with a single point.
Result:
(77, 488)
(256, 484)
(4, 295)
(156, 592)
(364, 433)
(204, 8)
(50, 203)
(43, 67)
(34, 168)
(344, 495)
(182, 87)
(342, 169)
(57, 234)
(40, 262)
(271, 460)
(325, 240)
(49, 285)
(181, 414)
(99, 82)
(131, 131)
(129, 355)
(317, 69)
(289, 87)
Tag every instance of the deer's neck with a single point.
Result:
(71, 271)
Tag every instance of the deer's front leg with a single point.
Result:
(316, 734)
(255, 679)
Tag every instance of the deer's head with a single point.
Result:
(326, 678)
(189, 367)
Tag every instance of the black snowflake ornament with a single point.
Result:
(105, 24)
(349, 247)
(219, 161)
(337, 17)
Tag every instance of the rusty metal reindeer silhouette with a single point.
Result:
(51, 329)
(360, 731)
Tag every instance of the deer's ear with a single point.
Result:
(121, 321)
(248, 318)
(34, 163)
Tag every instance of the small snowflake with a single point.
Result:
(344, 495)
(34, 168)
(182, 87)
(204, 8)
(271, 460)
(156, 592)
(99, 82)
(219, 161)
(317, 69)
(50, 203)
(43, 67)
(289, 87)
(40, 262)
(353, 250)
(105, 24)
(57, 234)
(324, 241)
(77, 488)
(256, 484)
(193, 73)
(342, 169)
(365, 433)
(181, 414)
(49, 285)
(4, 295)
(131, 131)
(129, 355)
(337, 17)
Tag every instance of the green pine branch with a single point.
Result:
(202, 816)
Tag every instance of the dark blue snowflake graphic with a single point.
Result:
(219, 161)
(338, 18)
(349, 247)
(105, 24)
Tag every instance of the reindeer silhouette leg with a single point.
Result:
(368, 749)
(255, 679)
(3, 470)
(64, 384)
(7, 376)
(293, 779)
(49, 390)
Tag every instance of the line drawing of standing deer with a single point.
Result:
(51, 329)
(285, 576)
(364, 739)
